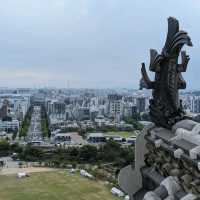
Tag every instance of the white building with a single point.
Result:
(115, 107)
(9, 125)
(56, 109)
(96, 138)
(194, 104)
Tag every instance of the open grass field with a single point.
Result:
(57, 185)
(124, 134)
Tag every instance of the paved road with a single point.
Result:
(35, 132)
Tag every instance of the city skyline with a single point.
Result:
(88, 44)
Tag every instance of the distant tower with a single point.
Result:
(68, 84)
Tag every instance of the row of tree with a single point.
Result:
(45, 123)
(26, 123)
(7, 149)
(103, 162)
(111, 152)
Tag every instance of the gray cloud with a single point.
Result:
(91, 43)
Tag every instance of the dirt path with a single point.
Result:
(7, 171)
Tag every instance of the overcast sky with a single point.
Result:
(89, 43)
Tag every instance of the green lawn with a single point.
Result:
(124, 134)
(57, 185)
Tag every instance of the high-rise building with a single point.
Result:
(56, 109)
(195, 104)
(115, 106)
(4, 110)
(83, 113)
(141, 104)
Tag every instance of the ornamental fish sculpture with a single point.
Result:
(165, 106)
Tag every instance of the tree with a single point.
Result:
(26, 123)
(110, 151)
(73, 152)
(31, 154)
(4, 145)
(15, 148)
(88, 153)
(134, 122)
(45, 122)
(83, 133)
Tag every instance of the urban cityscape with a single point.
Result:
(77, 109)
(68, 110)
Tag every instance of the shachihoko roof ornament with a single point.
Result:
(165, 106)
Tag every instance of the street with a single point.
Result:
(34, 132)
